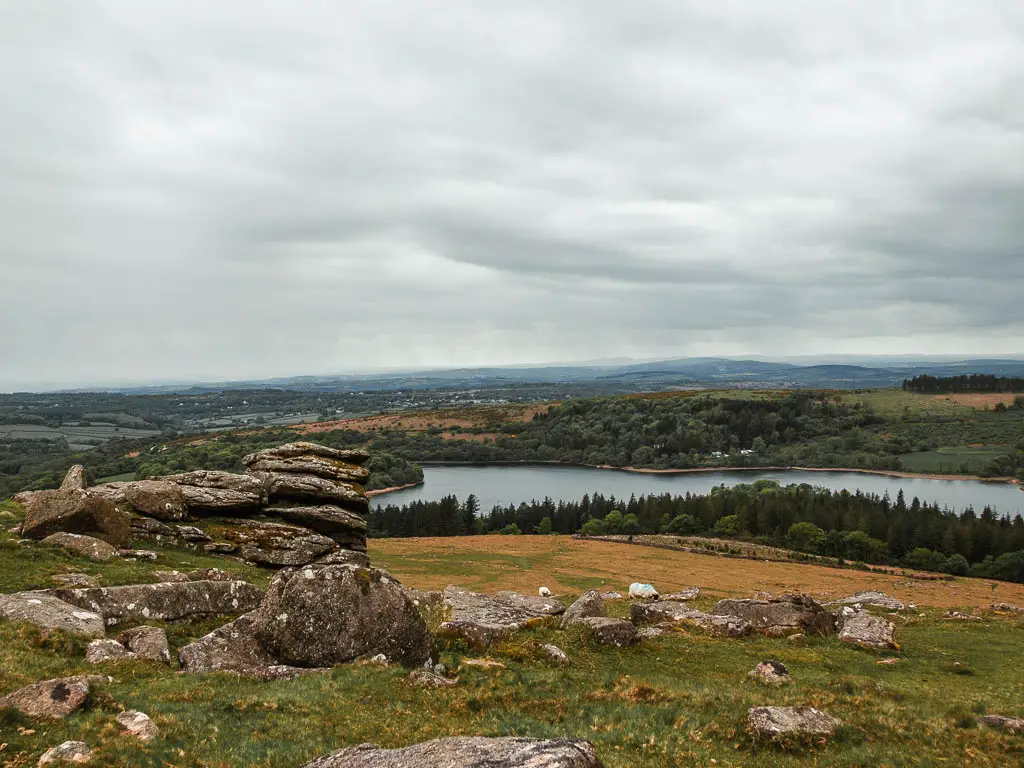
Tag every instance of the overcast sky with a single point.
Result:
(234, 189)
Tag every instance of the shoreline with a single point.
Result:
(696, 470)
(380, 491)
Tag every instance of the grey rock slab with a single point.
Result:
(773, 722)
(138, 724)
(673, 612)
(318, 616)
(482, 619)
(468, 752)
(346, 557)
(880, 599)
(147, 643)
(347, 528)
(160, 499)
(689, 593)
(48, 612)
(83, 546)
(608, 631)
(103, 650)
(588, 604)
(215, 492)
(75, 511)
(300, 448)
(329, 469)
(164, 601)
(73, 752)
(277, 545)
(75, 580)
(780, 616)
(50, 699)
(74, 479)
(858, 627)
(1012, 724)
(283, 486)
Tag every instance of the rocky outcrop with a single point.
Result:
(294, 450)
(74, 752)
(482, 619)
(305, 488)
(218, 493)
(880, 599)
(468, 752)
(608, 631)
(83, 546)
(780, 616)
(588, 604)
(234, 648)
(329, 469)
(74, 479)
(51, 699)
(75, 511)
(278, 545)
(147, 643)
(858, 627)
(672, 612)
(346, 528)
(165, 601)
(775, 722)
(322, 615)
(48, 612)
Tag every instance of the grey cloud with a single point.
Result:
(230, 190)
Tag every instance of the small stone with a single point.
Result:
(555, 653)
(424, 679)
(796, 638)
(890, 660)
(170, 577)
(611, 596)
(50, 699)
(1012, 724)
(771, 673)
(102, 651)
(138, 554)
(649, 633)
(219, 547)
(138, 724)
(68, 752)
(482, 663)
(84, 546)
(772, 722)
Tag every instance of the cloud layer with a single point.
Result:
(241, 189)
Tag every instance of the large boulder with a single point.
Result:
(84, 546)
(297, 449)
(468, 752)
(880, 599)
(75, 511)
(138, 724)
(161, 499)
(588, 604)
(858, 627)
(165, 601)
(104, 649)
(277, 545)
(329, 469)
(324, 615)
(147, 643)
(285, 486)
(234, 648)
(216, 492)
(76, 752)
(347, 528)
(49, 612)
(75, 479)
(780, 616)
(672, 612)
(609, 631)
(775, 722)
(482, 619)
(51, 699)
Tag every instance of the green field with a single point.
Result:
(953, 459)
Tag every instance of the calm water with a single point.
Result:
(512, 485)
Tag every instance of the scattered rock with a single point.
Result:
(482, 664)
(958, 616)
(684, 594)
(324, 615)
(1005, 608)
(211, 574)
(346, 528)
(588, 604)
(880, 599)
(147, 643)
(51, 699)
(639, 591)
(467, 752)
(75, 511)
(348, 557)
(555, 653)
(780, 616)
(423, 678)
(220, 547)
(672, 612)
(771, 673)
(49, 612)
(278, 545)
(192, 534)
(649, 633)
(890, 660)
(165, 601)
(154, 530)
(234, 648)
(74, 479)
(138, 554)
(104, 650)
(138, 724)
(1012, 724)
(75, 580)
(858, 627)
(611, 596)
(796, 638)
(772, 722)
(68, 752)
(482, 619)
(608, 631)
(294, 450)
(380, 658)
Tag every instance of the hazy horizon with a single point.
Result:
(229, 191)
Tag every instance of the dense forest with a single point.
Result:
(974, 382)
(851, 526)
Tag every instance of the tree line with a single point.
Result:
(973, 382)
(857, 527)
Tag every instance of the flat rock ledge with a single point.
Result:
(48, 612)
(468, 752)
(166, 601)
(482, 619)
(669, 612)
(776, 722)
(609, 631)
(858, 627)
(780, 616)
(51, 699)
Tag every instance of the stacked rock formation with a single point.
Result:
(296, 504)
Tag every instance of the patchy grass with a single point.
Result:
(950, 459)
(679, 700)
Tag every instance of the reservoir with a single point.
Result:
(515, 484)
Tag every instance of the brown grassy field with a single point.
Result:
(979, 400)
(566, 565)
(418, 421)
